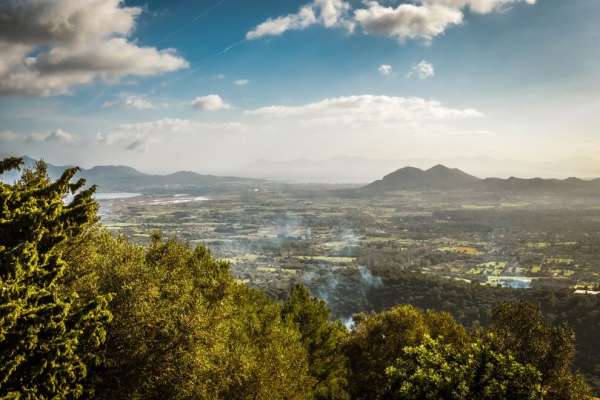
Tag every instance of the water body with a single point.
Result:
(176, 199)
(514, 282)
(115, 196)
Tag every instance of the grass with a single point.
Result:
(541, 245)
(471, 251)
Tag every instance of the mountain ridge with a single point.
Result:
(438, 177)
(443, 178)
(124, 178)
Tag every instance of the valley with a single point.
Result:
(341, 243)
(457, 251)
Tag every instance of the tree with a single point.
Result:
(438, 371)
(184, 328)
(520, 328)
(48, 339)
(323, 340)
(379, 339)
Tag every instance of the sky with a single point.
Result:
(255, 87)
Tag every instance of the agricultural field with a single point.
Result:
(336, 242)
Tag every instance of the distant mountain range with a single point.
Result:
(117, 178)
(442, 178)
(361, 170)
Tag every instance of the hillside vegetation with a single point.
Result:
(86, 314)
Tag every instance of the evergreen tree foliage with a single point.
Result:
(184, 328)
(379, 339)
(323, 340)
(48, 340)
(520, 328)
(437, 371)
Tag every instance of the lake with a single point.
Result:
(115, 196)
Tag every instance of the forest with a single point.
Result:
(86, 313)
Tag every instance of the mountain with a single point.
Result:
(361, 170)
(115, 178)
(54, 171)
(439, 177)
(443, 178)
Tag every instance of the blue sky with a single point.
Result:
(214, 85)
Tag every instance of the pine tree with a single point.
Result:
(323, 341)
(47, 338)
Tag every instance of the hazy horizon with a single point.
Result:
(357, 170)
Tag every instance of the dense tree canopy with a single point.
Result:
(379, 339)
(438, 371)
(48, 339)
(323, 340)
(184, 328)
(521, 329)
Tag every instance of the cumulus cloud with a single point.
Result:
(61, 136)
(408, 21)
(130, 102)
(368, 110)
(212, 102)
(328, 13)
(57, 136)
(423, 19)
(419, 19)
(385, 69)
(139, 136)
(422, 70)
(49, 46)
(241, 82)
(483, 6)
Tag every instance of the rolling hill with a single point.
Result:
(115, 178)
(442, 178)
(436, 178)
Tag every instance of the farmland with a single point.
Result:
(339, 243)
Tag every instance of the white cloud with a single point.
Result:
(368, 110)
(139, 136)
(56, 136)
(418, 19)
(59, 135)
(385, 69)
(276, 26)
(423, 19)
(241, 82)
(482, 6)
(49, 46)
(408, 21)
(130, 102)
(423, 70)
(329, 13)
(212, 102)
